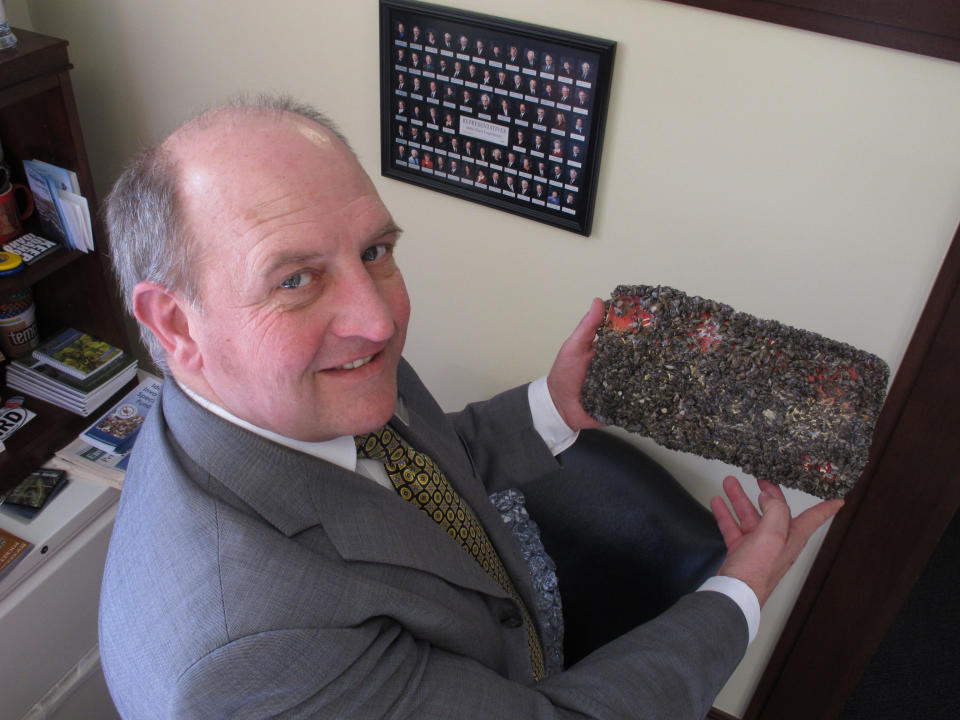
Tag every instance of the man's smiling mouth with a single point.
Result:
(356, 363)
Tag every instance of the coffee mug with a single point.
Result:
(12, 212)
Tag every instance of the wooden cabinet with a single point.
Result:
(38, 119)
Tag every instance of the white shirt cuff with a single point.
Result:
(546, 418)
(743, 595)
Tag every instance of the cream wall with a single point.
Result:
(792, 175)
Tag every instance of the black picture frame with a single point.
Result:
(484, 124)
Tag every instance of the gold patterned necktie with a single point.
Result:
(419, 480)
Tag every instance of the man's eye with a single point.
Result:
(298, 280)
(374, 253)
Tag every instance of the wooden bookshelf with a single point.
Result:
(38, 119)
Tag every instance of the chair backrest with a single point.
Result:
(627, 539)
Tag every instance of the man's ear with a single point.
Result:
(167, 318)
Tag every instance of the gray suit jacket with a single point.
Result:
(245, 579)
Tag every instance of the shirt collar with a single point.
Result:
(340, 451)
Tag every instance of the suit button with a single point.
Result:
(511, 619)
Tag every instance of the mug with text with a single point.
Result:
(13, 211)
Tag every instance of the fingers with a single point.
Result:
(586, 329)
(807, 522)
(727, 524)
(746, 511)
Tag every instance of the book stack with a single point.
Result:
(74, 371)
(64, 212)
(102, 451)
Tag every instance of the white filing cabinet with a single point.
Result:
(49, 662)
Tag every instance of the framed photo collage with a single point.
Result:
(502, 113)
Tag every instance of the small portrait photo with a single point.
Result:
(496, 52)
(504, 111)
(585, 72)
(434, 90)
(501, 80)
(566, 95)
(548, 91)
(486, 104)
(429, 66)
(414, 157)
(415, 61)
(538, 145)
(580, 128)
(520, 138)
(540, 120)
(497, 156)
(559, 121)
(583, 99)
(548, 65)
(431, 40)
(513, 55)
(567, 67)
(415, 35)
(443, 67)
(427, 161)
(557, 148)
(516, 83)
(530, 59)
(463, 44)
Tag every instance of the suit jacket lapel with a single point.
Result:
(304, 492)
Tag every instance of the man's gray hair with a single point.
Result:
(149, 236)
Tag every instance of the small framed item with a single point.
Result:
(783, 404)
(502, 113)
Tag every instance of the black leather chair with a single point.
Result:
(626, 538)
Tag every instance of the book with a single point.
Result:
(45, 200)
(64, 212)
(83, 397)
(28, 498)
(12, 550)
(116, 430)
(77, 353)
(82, 459)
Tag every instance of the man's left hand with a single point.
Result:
(569, 370)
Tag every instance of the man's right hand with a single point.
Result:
(763, 544)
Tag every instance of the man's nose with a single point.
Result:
(362, 310)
